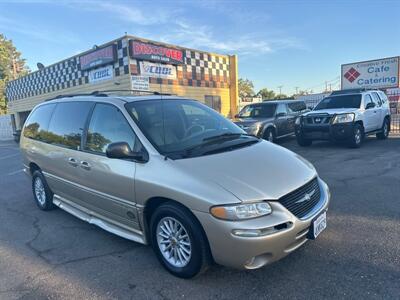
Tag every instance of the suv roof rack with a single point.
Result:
(352, 91)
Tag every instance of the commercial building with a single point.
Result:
(131, 63)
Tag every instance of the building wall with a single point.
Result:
(200, 74)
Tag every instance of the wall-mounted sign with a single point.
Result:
(147, 51)
(98, 57)
(140, 83)
(101, 74)
(382, 73)
(157, 70)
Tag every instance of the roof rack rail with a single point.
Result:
(138, 91)
(95, 93)
(352, 91)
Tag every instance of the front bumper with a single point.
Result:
(287, 233)
(338, 132)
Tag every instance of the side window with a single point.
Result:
(108, 125)
(37, 124)
(376, 99)
(297, 107)
(281, 109)
(367, 99)
(66, 125)
(213, 102)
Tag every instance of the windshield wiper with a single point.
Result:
(226, 135)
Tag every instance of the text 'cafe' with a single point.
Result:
(131, 63)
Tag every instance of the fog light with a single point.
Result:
(247, 232)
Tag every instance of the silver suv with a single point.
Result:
(346, 115)
(175, 174)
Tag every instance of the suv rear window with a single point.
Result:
(345, 101)
(67, 124)
(38, 122)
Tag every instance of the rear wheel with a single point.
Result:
(357, 136)
(303, 141)
(178, 241)
(41, 192)
(385, 130)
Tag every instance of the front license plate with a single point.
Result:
(318, 225)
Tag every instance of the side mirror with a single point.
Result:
(281, 114)
(370, 105)
(122, 150)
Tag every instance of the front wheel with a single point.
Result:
(41, 192)
(178, 241)
(357, 136)
(385, 130)
(269, 135)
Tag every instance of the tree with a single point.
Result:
(266, 94)
(246, 88)
(12, 66)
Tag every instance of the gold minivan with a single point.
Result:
(173, 173)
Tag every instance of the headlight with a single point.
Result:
(241, 211)
(297, 122)
(255, 128)
(343, 118)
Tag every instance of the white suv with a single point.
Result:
(346, 115)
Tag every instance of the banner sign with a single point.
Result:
(101, 74)
(382, 73)
(151, 52)
(98, 57)
(157, 70)
(140, 83)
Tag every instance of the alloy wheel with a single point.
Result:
(40, 192)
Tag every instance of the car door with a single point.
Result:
(108, 184)
(379, 109)
(281, 120)
(64, 144)
(370, 114)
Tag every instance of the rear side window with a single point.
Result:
(67, 124)
(38, 122)
(376, 99)
(108, 125)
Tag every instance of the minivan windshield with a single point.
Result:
(344, 101)
(184, 128)
(258, 111)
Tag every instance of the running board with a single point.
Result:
(107, 226)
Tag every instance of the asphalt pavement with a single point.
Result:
(53, 255)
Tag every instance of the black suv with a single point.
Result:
(270, 120)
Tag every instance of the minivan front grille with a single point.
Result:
(301, 201)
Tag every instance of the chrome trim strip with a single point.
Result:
(91, 219)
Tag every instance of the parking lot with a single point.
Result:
(55, 255)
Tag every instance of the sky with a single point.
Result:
(279, 43)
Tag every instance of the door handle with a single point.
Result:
(85, 165)
(72, 162)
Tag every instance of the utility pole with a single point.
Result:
(326, 86)
(280, 89)
(297, 90)
(330, 87)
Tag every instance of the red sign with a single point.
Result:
(151, 52)
(98, 57)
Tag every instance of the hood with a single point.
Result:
(246, 122)
(331, 111)
(258, 172)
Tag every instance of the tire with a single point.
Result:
(197, 251)
(41, 192)
(384, 131)
(269, 135)
(357, 138)
(302, 141)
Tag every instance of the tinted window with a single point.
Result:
(108, 125)
(368, 99)
(213, 102)
(376, 99)
(66, 125)
(281, 109)
(297, 107)
(258, 111)
(38, 122)
(345, 101)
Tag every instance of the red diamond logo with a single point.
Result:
(352, 74)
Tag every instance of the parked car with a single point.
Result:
(270, 120)
(159, 171)
(347, 115)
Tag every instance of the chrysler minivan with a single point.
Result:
(173, 173)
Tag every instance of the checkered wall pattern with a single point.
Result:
(199, 70)
(62, 75)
